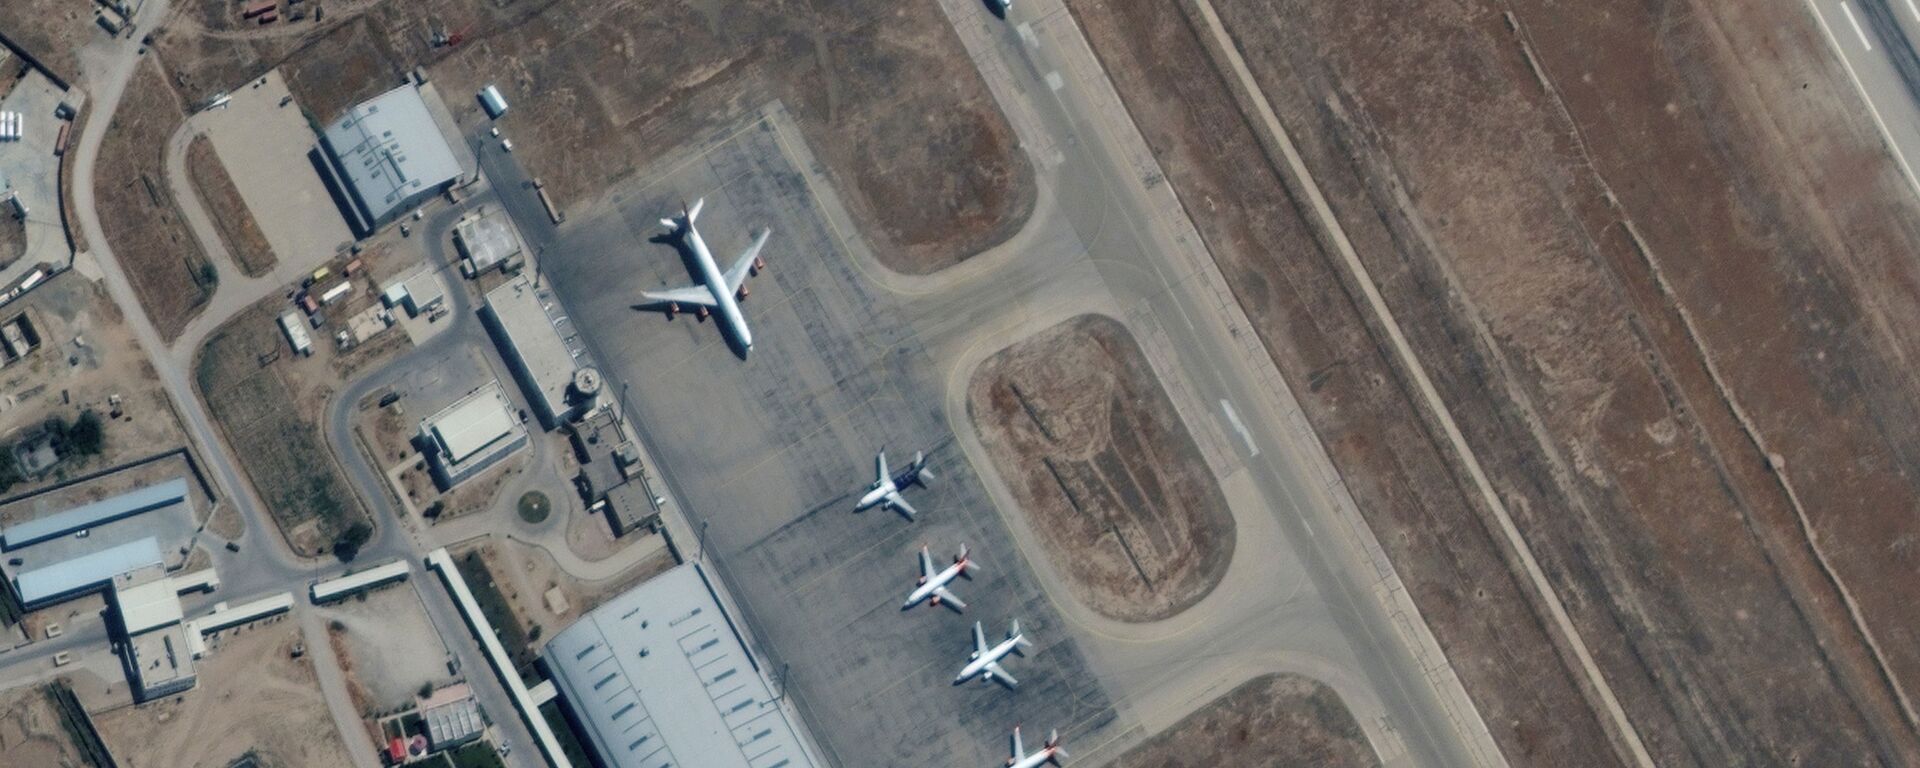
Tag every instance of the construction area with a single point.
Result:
(258, 694)
(1080, 428)
(1685, 468)
(388, 648)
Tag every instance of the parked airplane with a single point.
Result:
(1051, 753)
(885, 491)
(935, 584)
(984, 662)
(719, 293)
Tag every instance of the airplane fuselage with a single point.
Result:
(876, 493)
(725, 307)
(1034, 760)
(928, 587)
(981, 660)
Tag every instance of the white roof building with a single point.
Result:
(471, 434)
(385, 154)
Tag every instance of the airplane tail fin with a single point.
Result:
(1053, 743)
(1019, 639)
(685, 220)
(965, 561)
(920, 472)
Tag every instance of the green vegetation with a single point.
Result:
(79, 728)
(493, 604)
(82, 438)
(347, 545)
(281, 450)
(479, 754)
(535, 506)
(563, 732)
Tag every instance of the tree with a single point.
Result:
(87, 436)
(347, 545)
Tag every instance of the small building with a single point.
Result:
(361, 581)
(336, 293)
(486, 240)
(476, 432)
(492, 101)
(384, 156)
(296, 331)
(159, 660)
(661, 671)
(524, 321)
(425, 293)
(452, 717)
(86, 573)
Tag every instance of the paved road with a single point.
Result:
(1874, 39)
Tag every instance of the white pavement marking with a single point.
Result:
(1913, 9)
(1913, 181)
(1054, 82)
(1848, 10)
(1245, 436)
(1027, 36)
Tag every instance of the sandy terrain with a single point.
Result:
(229, 212)
(30, 731)
(252, 696)
(1273, 721)
(1078, 424)
(390, 647)
(13, 239)
(50, 30)
(162, 260)
(884, 92)
(1570, 294)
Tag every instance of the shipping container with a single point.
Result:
(258, 8)
(336, 293)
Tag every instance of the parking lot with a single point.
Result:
(768, 455)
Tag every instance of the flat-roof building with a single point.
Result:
(96, 513)
(550, 365)
(486, 240)
(85, 573)
(359, 581)
(473, 433)
(452, 717)
(159, 661)
(385, 155)
(659, 676)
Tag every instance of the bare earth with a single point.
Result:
(50, 30)
(1272, 721)
(30, 731)
(884, 92)
(1632, 276)
(159, 254)
(229, 211)
(1099, 460)
(251, 696)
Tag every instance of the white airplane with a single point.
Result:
(1051, 753)
(885, 491)
(719, 293)
(984, 662)
(934, 585)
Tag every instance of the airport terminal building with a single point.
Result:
(659, 676)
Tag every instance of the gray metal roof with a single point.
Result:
(544, 360)
(390, 149)
(89, 515)
(87, 571)
(657, 677)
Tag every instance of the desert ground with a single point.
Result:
(252, 697)
(1094, 451)
(1270, 721)
(229, 211)
(1560, 212)
(31, 733)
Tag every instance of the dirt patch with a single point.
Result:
(1570, 327)
(51, 31)
(229, 211)
(1079, 426)
(31, 733)
(155, 249)
(388, 645)
(1274, 720)
(13, 239)
(252, 696)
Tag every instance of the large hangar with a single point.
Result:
(385, 155)
(659, 677)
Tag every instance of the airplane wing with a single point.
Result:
(896, 501)
(979, 639)
(696, 295)
(1019, 751)
(949, 598)
(926, 564)
(737, 273)
(994, 672)
(880, 466)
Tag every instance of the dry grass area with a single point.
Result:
(1622, 344)
(1108, 475)
(155, 248)
(1269, 721)
(51, 30)
(31, 733)
(252, 696)
(268, 403)
(242, 234)
(884, 91)
(13, 239)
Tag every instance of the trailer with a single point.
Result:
(269, 17)
(336, 293)
(258, 8)
(495, 104)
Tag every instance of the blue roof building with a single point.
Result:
(88, 515)
(85, 573)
